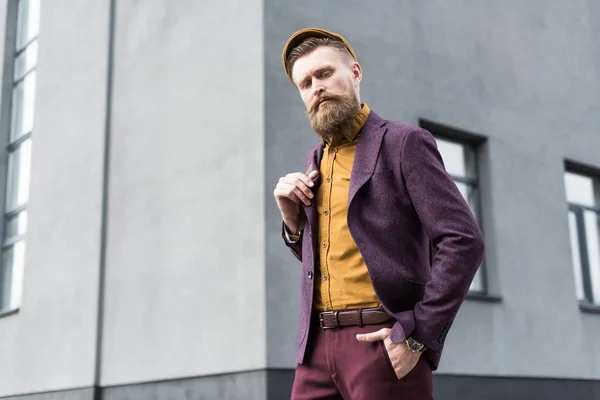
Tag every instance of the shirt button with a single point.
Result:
(326, 212)
(310, 274)
(324, 244)
(328, 180)
(325, 278)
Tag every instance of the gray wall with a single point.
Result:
(185, 257)
(524, 74)
(185, 252)
(50, 343)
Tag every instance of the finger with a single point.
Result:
(300, 195)
(313, 175)
(299, 182)
(289, 189)
(286, 194)
(299, 176)
(373, 336)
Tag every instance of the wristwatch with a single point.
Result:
(288, 235)
(415, 346)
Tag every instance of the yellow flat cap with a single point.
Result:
(306, 33)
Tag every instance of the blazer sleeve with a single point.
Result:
(451, 228)
(295, 246)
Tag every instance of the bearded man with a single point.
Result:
(388, 245)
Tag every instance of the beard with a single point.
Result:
(331, 119)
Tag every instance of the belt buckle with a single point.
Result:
(322, 321)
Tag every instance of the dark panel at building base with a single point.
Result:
(277, 385)
(462, 387)
(454, 387)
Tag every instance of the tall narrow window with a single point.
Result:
(460, 161)
(583, 196)
(459, 153)
(19, 153)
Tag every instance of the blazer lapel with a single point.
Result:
(367, 150)
(313, 161)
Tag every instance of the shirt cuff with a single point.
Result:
(290, 237)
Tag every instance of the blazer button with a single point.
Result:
(310, 274)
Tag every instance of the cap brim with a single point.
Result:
(303, 34)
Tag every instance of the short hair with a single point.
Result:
(308, 46)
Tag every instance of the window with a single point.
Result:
(458, 150)
(23, 79)
(583, 196)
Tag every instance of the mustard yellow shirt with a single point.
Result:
(342, 280)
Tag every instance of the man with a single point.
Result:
(387, 243)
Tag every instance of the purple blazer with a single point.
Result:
(401, 201)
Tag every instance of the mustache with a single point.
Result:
(315, 106)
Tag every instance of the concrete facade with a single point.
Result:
(184, 176)
(50, 343)
(155, 267)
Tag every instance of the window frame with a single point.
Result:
(13, 50)
(473, 142)
(588, 303)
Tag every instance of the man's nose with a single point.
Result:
(319, 88)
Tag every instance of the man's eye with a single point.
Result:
(326, 74)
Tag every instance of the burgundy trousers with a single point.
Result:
(337, 366)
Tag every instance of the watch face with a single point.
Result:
(414, 345)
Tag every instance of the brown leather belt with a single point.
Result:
(358, 317)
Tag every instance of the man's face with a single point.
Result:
(328, 81)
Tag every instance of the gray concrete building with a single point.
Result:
(141, 248)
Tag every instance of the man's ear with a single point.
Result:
(356, 72)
